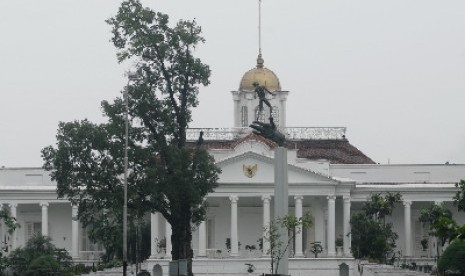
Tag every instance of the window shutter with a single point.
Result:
(29, 231)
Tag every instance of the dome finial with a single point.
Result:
(259, 58)
(260, 61)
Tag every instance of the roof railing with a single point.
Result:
(292, 133)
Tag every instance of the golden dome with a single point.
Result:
(261, 75)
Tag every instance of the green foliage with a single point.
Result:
(433, 213)
(21, 259)
(372, 237)
(379, 206)
(452, 260)
(439, 220)
(228, 244)
(278, 246)
(78, 269)
(43, 265)
(459, 198)
(165, 175)
(11, 225)
(111, 236)
(445, 229)
(316, 248)
(10, 222)
(459, 201)
(260, 243)
(424, 243)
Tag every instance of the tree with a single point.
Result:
(372, 237)
(439, 220)
(459, 201)
(294, 226)
(43, 265)
(10, 222)
(379, 206)
(165, 175)
(11, 225)
(38, 246)
(459, 198)
(451, 261)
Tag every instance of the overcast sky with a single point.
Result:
(392, 72)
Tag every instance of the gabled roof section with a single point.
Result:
(240, 158)
(336, 151)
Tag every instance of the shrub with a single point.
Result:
(38, 246)
(43, 265)
(452, 260)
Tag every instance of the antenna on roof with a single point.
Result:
(260, 27)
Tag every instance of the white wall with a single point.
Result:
(399, 173)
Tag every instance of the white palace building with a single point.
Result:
(327, 176)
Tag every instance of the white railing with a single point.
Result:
(292, 133)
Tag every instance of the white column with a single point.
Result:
(44, 206)
(168, 232)
(13, 213)
(266, 224)
(347, 237)
(331, 225)
(237, 109)
(250, 107)
(298, 236)
(234, 235)
(282, 112)
(74, 232)
(408, 228)
(203, 239)
(154, 234)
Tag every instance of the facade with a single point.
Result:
(328, 177)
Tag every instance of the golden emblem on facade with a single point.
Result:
(249, 170)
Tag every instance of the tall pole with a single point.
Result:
(125, 204)
(281, 201)
(260, 27)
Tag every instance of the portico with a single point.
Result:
(244, 226)
(54, 218)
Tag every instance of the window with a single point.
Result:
(32, 228)
(244, 116)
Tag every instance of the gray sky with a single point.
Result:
(392, 72)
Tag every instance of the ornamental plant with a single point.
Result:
(278, 248)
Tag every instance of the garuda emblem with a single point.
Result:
(249, 170)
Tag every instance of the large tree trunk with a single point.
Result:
(181, 240)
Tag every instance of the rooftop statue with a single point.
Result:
(261, 92)
(268, 131)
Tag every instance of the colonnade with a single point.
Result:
(234, 227)
(44, 207)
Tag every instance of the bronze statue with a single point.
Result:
(269, 131)
(261, 92)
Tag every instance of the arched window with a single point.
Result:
(244, 116)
